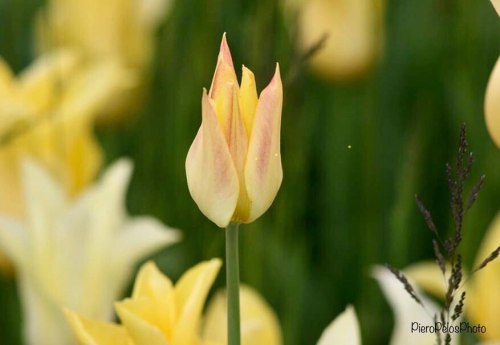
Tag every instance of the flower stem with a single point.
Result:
(232, 285)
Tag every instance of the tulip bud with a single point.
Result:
(492, 104)
(233, 167)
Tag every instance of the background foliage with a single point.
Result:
(340, 209)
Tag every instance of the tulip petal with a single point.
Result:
(220, 93)
(483, 299)
(138, 319)
(90, 332)
(259, 324)
(492, 104)
(14, 241)
(263, 171)
(156, 287)
(406, 310)
(190, 294)
(496, 5)
(344, 330)
(211, 175)
(248, 99)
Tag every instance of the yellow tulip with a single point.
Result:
(233, 167)
(482, 302)
(75, 253)
(492, 104)
(354, 35)
(122, 31)
(159, 313)
(47, 113)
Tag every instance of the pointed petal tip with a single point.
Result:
(225, 52)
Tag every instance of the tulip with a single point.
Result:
(159, 313)
(121, 31)
(233, 166)
(47, 113)
(492, 104)
(78, 254)
(353, 33)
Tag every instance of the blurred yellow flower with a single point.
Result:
(353, 30)
(344, 330)
(482, 302)
(122, 31)
(47, 113)
(233, 167)
(492, 104)
(159, 313)
(78, 254)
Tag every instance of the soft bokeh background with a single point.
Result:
(354, 153)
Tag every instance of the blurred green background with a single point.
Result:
(340, 210)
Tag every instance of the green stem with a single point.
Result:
(232, 285)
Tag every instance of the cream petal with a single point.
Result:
(344, 330)
(91, 332)
(492, 104)
(14, 241)
(211, 175)
(141, 237)
(263, 171)
(190, 294)
(496, 5)
(259, 324)
(406, 310)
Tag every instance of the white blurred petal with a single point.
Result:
(344, 330)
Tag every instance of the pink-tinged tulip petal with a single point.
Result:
(220, 91)
(248, 99)
(211, 175)
(496, 4)
(263, 172)
(492, 104)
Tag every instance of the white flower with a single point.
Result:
(344, 330)
(78, 253)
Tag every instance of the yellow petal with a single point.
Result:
(263, 171)
(190, 295)
(90, 332)
(139, 319)
(259, 324)
(344, 330)
(154, 286)
(483, 303)
(496, 4)
(492, 104)
(211, 175)
(248, 99)
(43, 83)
